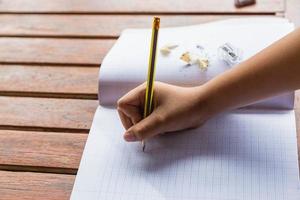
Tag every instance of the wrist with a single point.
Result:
(209, 102)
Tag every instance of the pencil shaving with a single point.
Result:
(186, 57)
(192, 59)
(166, 50)
(202, 63)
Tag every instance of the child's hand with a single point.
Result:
(176, 108)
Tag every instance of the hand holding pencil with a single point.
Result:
(129, 106)
(176, 108)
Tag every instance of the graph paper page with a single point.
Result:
(236, 156)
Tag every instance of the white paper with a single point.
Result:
(245, 154)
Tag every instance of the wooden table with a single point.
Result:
(50, 53)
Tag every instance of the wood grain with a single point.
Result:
(137, 6)
(76, 82)
(92, 25)
(28, 149)
(53, 51)
(35, 186)
(47, 114)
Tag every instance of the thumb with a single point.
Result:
(146, 128)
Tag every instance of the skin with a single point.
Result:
(272, 71)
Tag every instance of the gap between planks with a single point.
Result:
(44, 129)
(49, 170)
(56, 95)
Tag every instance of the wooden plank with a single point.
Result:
(137, 6)
(40, 151)
(35, 186)
(91, 25)
(59, 51)
(47, 114)
(73, 82)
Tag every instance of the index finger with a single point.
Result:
(134, 97)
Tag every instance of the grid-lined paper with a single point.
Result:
(239, 155)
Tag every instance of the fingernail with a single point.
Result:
(130, 137)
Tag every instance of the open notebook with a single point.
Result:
(248, 153)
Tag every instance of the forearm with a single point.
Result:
(273, 71)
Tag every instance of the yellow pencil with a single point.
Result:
(148, 107)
